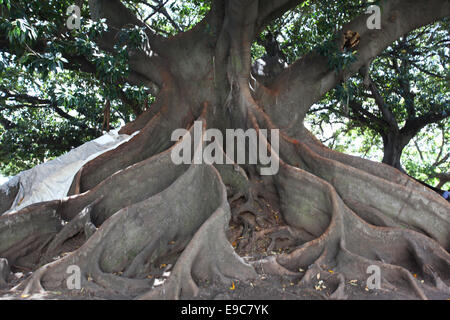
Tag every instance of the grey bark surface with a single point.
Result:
(132, 212)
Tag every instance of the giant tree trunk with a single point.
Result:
(132, 209)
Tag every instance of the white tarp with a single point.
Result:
(52, 180)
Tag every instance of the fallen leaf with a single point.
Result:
(232, 286)
(320, 286)
(353, 282)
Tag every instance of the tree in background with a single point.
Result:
(55, 84)
(404, 92)
(132, 212)
(396, 97)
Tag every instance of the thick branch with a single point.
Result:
(297, 90)
(405, 87)
(270, 10)
(362, 115)
(388, 116)
(412, 126)
(118, 17)
(34, 102)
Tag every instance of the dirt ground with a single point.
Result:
(264, 288)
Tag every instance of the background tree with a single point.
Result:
(132, 211)
(413, 75)
(405, 91)
(55, 83)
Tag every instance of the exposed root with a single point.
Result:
(314, 206)
(208, 257)
(400, 253)
(132, 242)
(270, 265)
(24, 234)
(321, 222)
(24, 231)
(404, 204)
(81, 223)
(142, 233)
(8, 193)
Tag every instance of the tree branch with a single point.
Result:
(412, 126)
(160, 8)
(443, 179)
(297, 90)
(35, 102)
(365, 116)
(270, 10)
(405, 87)
(8, 125)
(420, 151)
(119, 17)
(388, 116)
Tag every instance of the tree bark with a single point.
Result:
(393, 145)
(137, 211)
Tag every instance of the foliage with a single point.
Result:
(412, 77)
(54, 83)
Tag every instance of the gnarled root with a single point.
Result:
(208, 257)
(24, 234)
(324, 221)
(412, 265)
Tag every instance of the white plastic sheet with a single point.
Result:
(52, 180)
